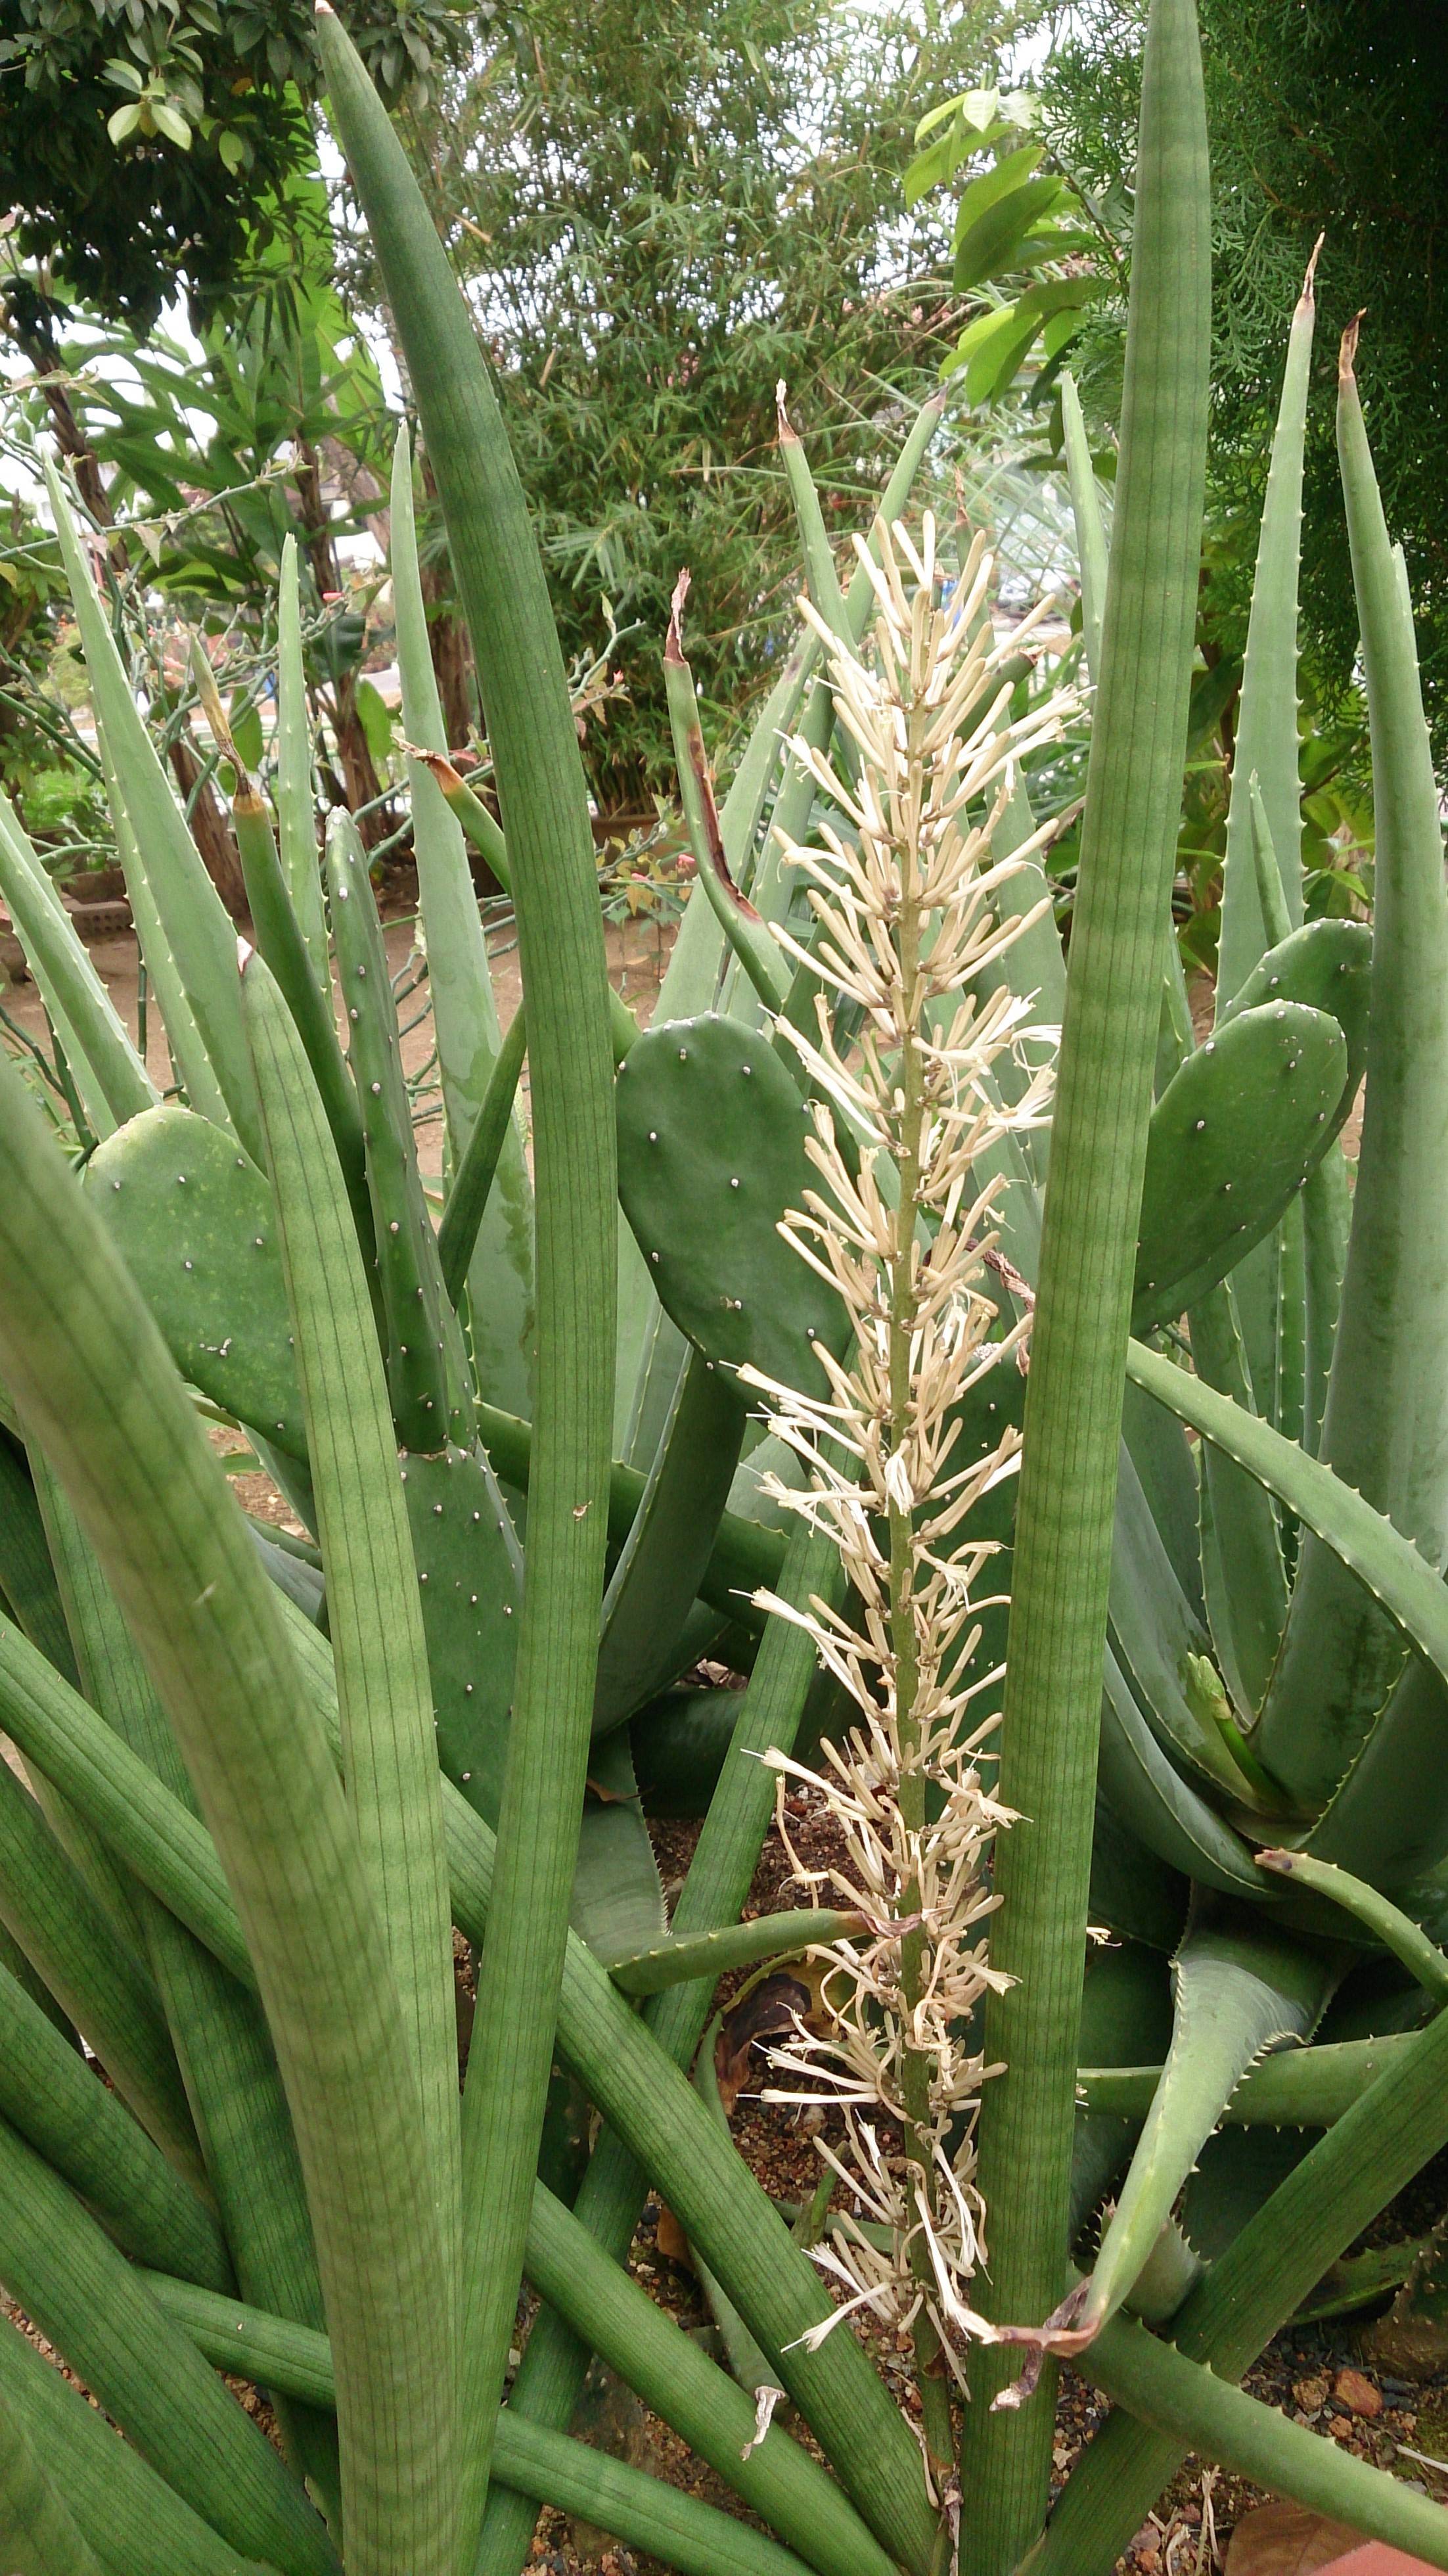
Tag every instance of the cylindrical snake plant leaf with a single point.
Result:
(129, 2515)
(374, 1619)
(1073, 1409)
(544, 805)
(71, 2281)
(1385, 1428)
(112, 1079)
(92, 1375)
(193, 918)
(42, 2537)
(465, 1015)
(611, 2194)
(296, 801)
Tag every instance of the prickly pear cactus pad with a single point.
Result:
(1327, 965)
(193, 1220)
(711, 1155)
(468, 1572)
(1233, 1137)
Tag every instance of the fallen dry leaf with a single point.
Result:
(1287, 2540)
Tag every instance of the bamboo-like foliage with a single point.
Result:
(270, 1776)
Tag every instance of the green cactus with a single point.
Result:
(470, 1577)
(711, 1135)
(194, 1222)
(1232, 1140)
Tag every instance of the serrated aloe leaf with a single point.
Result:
(51, 2098)
(711, 1156)
(112, 1080)
(1304, 2088)
(1091, 550)
(194, 1222)
(1385, 1428)
(42, 2537)
(295, 794)
(1232, 1139)
(1375, 2148)
(668, 1548)
(618, 1898)
(1376, 1555)
(379, 1647)
(1266, 746)
(129, 2515)
(1133, 1891)
(1125, 2020)
(1162, 1646)
(192, 916)
(1243, 1576)
(1388, 1818)
(1326, 1218)
(91, 1373)
(1062, 1563)
(73, 2283)
(1240, 1990)
(500, 1265)
(1160, 1808)
(1236, 2174)
(1166, 1465)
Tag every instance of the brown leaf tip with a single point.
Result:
(1310, 280)
(1282, 1862)
(674, 640)
(788, 434)
(1347, 355)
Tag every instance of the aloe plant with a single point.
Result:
(269, 1778)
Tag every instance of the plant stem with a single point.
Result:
(917, 2063)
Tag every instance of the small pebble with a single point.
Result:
(1357, 2394)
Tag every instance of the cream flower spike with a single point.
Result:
(903, 1063)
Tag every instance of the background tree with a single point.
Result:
(660, 213)
(1323, 120)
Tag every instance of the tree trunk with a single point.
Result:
(210, 829)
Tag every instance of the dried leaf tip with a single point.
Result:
(244, 951)
(788, 434)
(674, 640)
(1309, 282)
(1282, 1863)
(1347, 355)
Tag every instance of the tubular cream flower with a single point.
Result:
(921, 1064)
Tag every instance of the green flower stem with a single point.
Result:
(1073, 1412)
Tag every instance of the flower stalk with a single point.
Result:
(907, 1107)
